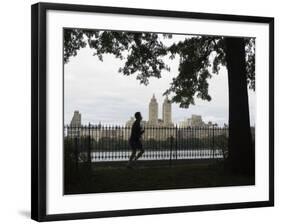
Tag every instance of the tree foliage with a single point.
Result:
(200, 57)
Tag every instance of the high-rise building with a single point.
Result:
(76, 119)
(153, 111)
(75, 124)
(167, 111)
(195, 121)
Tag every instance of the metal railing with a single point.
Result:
(99, 143)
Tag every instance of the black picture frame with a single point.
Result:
(39, 107)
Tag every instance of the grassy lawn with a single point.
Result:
(101, 178)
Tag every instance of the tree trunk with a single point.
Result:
(241, 151)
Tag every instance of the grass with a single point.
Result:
(104, 177)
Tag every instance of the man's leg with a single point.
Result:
(132, 155)
(141, 152)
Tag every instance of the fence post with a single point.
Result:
(176, 145)
(171, 149)
(76, 151)
(89, 160)
(213, 144)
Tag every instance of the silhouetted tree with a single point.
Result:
(144, 52)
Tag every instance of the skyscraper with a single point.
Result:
(153, 111)
(75, 124)
(167, 111)
(76, 119)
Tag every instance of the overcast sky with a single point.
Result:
(101, 94)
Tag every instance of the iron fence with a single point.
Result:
(98, 143)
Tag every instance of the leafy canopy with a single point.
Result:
(200, 57)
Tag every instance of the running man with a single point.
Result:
(135, 139)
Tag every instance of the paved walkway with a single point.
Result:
(156, 163)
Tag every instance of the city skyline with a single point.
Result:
(154, 116)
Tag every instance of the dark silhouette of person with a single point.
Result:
(135, 139)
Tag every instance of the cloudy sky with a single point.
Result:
(101, 94)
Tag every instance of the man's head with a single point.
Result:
(138, 116)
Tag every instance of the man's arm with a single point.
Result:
(140, 130)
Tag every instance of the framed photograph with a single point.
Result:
(140, 111)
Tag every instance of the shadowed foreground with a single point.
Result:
(115, 177)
